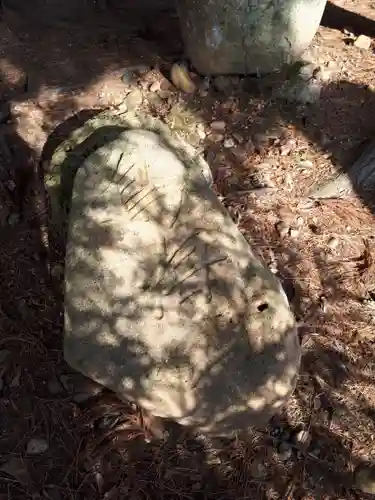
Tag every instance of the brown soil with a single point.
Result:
(55, 63)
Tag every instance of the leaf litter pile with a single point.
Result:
(62, 436)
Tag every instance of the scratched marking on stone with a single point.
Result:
(149, 192)
(194, 272)
(154, 200)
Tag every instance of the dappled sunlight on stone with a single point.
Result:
(186, 321)
(239, 37)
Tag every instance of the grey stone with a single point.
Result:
(165, 302)
(237, 37)
(37, 446)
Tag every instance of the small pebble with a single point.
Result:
(36, 446)
(181, 78)
(363, 42)
(229, 143)
(218, 126)
(332, 243)
(294, 233)
(303, 438)
(305, 164)
(282, 228)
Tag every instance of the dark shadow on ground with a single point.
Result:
(336, 17)
(82, 462)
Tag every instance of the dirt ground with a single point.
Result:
(56, 442)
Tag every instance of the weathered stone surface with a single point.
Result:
(363, 42)
(166, 304)
(359, 179)
(237, 37)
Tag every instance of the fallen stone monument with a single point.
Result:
(165, 302)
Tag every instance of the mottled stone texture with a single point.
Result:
(165, 302)
(247, 36)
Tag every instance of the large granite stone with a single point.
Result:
(166, 303)
(247, 37)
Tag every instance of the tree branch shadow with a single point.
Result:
(226, 471)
